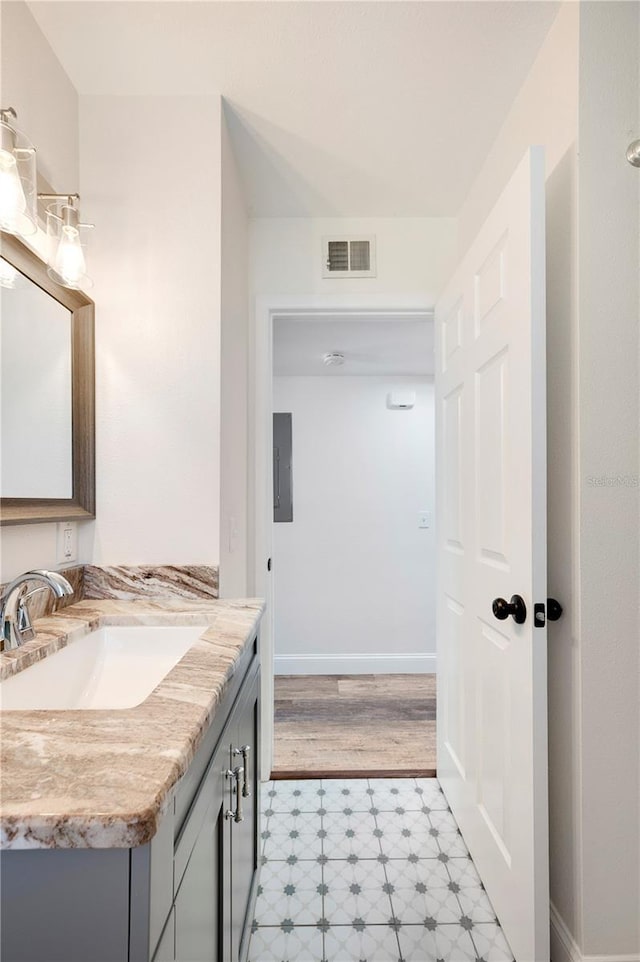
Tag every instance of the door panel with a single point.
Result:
(491, 472)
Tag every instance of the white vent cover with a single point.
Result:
(349, 256)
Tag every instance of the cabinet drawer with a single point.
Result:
(211, 794)
(192, 778)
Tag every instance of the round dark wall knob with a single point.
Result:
(516, 608)
(554, 609)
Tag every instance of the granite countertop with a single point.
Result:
(102, 779)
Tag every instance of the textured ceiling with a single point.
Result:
(335, 108)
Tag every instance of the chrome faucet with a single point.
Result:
(14, 614)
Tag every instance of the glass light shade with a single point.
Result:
(67, 241)
(18, 190)
(11, 278)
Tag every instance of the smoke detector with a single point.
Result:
(334, 359)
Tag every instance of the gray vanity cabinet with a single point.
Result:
(186, 896)
(201, 866)
(199, 922)
(245, 834)
(166, 947)
(216, 852)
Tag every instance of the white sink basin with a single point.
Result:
(113, 667)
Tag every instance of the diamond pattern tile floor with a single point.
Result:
(368, 870)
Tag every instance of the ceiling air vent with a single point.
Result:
(348, 257)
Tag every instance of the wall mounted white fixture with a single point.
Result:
(18, 201)
(401, 400)
(67, 241)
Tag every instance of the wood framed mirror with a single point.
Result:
(47, 454)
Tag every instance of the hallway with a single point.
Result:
(364, 725)
(368, 870)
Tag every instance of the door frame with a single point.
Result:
(260, 507)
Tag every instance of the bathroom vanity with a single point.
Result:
(131, 835)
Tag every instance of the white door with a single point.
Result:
(491, 480)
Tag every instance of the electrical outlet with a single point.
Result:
(67, 542)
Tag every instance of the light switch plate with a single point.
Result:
(67, 542)
(424, 519)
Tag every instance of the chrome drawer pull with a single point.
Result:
(235, 773)
(244, 751)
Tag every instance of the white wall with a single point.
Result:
(414, 255)
(354, 575)
(414, 260)
(234, 401)
(543, 112)
(609, 447)
(155, 260)
(35, 84)
(156, 266)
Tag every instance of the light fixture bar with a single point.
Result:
(69, 197)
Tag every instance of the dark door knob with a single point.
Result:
(516, 608)
(554, 609)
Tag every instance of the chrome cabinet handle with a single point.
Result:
(244, 751)
(235, 773)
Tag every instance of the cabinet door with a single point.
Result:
(244, 835)
(198, 922)
(166, 946)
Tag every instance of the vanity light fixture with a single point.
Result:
(67, 241)
(18, 203)
(10, 278)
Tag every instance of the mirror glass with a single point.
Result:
(35, 391)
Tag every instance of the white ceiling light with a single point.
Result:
(334, 359)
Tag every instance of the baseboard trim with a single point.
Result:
(564, 947)
(354, 664)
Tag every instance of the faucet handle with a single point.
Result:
(26, 629)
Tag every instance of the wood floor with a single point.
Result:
(346, 726)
